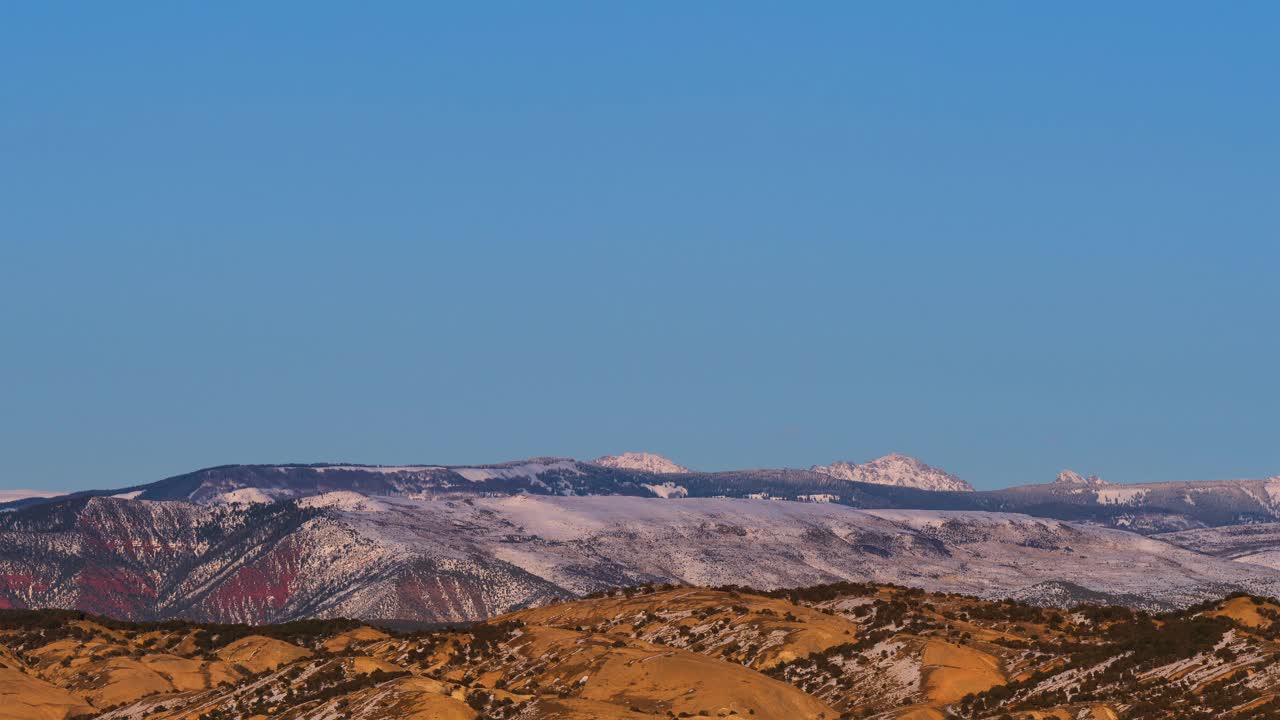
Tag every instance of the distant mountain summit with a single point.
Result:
(1070, 477)
(642, 461)
(10, 495)
(898, 470)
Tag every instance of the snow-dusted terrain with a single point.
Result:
(898, 470)
(1258, 543)
(646, 462)
(258, 543)
(450, 559)
(769, 544)
(1073, 478)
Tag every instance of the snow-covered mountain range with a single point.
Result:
(261, 543)
(395, 557)
(892, 481)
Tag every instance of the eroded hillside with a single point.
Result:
(834, 651)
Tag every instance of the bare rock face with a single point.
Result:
(644, 462)
(898, 470)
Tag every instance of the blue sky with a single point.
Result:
(1005, 240)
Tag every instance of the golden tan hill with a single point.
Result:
(257, 653)
(24, 697)
(417, 699)
(689, 683)
(953, 671)
(100, 631)
(366, 664)
(116, 681)
(363, 634)
(188, 674)
(920, 713)
(402, 699)
(185, 646)
(582, 709)
(752, 629)
(650, 678)
(1247, 611)
(9, 659)
(73, 653)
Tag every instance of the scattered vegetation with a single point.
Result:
(846, 650)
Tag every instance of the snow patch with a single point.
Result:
(341, 500)
(250, 496)
(668, 490)
(1272, 488)
(1121, 495)
(818, 498)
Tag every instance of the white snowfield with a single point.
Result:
(340, 500)
(251, 496)
(1272, 489)
(668, 490)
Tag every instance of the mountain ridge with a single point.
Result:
(462, 559)
(648, 462)
(1145, 508)
(896, 469)
(885, 471)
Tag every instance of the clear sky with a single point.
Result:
(1003, 239)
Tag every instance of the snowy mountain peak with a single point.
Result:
(645, 462)
(895, 469)
(1070, 477)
